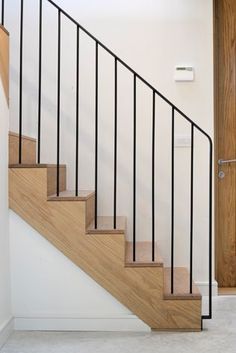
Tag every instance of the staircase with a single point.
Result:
(165, 298)
(103, 253)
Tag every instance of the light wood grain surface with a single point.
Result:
(143, 256)
(28, 149)
(4, 60)
(181, 285)
(225, 58)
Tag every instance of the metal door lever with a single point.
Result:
(225, 161)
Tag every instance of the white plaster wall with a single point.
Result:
(50, 292)
(5, 301)
(152, 37)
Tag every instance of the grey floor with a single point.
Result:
(219, 335)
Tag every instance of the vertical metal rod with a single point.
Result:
(172, 197)
(3, 9)
(40, 80)
(77, 115)
(153, 174)
(58, 101)
(134, 172)
(191, 211)
(96, 136)
(210, 227)
(20, 79)
(115, 147)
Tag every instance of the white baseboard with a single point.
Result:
(204, 288)
(6, 330)
(123, 322)
(83, 323)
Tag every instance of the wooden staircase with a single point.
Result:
(103, 253)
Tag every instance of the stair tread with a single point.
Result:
(143, 255)
(105, 225)
(36, 165)
(69, 195)
(181, 285)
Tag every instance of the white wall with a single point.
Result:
(5, 307)
(50, 292)
(152, 37)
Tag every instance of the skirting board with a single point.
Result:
(5, 331)
(117, 323)
(204, 288)
(94, 323)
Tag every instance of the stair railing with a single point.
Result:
(155, 92)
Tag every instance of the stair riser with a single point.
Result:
(28, 149)
(52, 180)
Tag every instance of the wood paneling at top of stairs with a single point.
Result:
(4, 60)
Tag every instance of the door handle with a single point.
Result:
(226, 161)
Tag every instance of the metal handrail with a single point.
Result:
(174, 110)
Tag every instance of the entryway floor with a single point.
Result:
(219, 335)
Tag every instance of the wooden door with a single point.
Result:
(225, 125)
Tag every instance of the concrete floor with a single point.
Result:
(219, 335)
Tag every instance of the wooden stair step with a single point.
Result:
(69, 195)
(181, 285)
(143, 255)
(105, 225)
(51, 170)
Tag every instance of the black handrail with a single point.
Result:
(155, 92)
(130, 69)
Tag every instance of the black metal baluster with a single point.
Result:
(40, 79)
(210, 227)
(77, 115)
(58, 101)
(209, 316)
(172, 197)
(115, 148)
(153, 174)
(3, 10)
(191, 211)
(96, 137)
(20, 80)
(134, 173)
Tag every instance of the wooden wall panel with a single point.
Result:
(4, 60)
(225, 104)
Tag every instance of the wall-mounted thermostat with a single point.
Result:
(184, 73)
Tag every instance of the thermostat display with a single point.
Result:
(184, 74)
